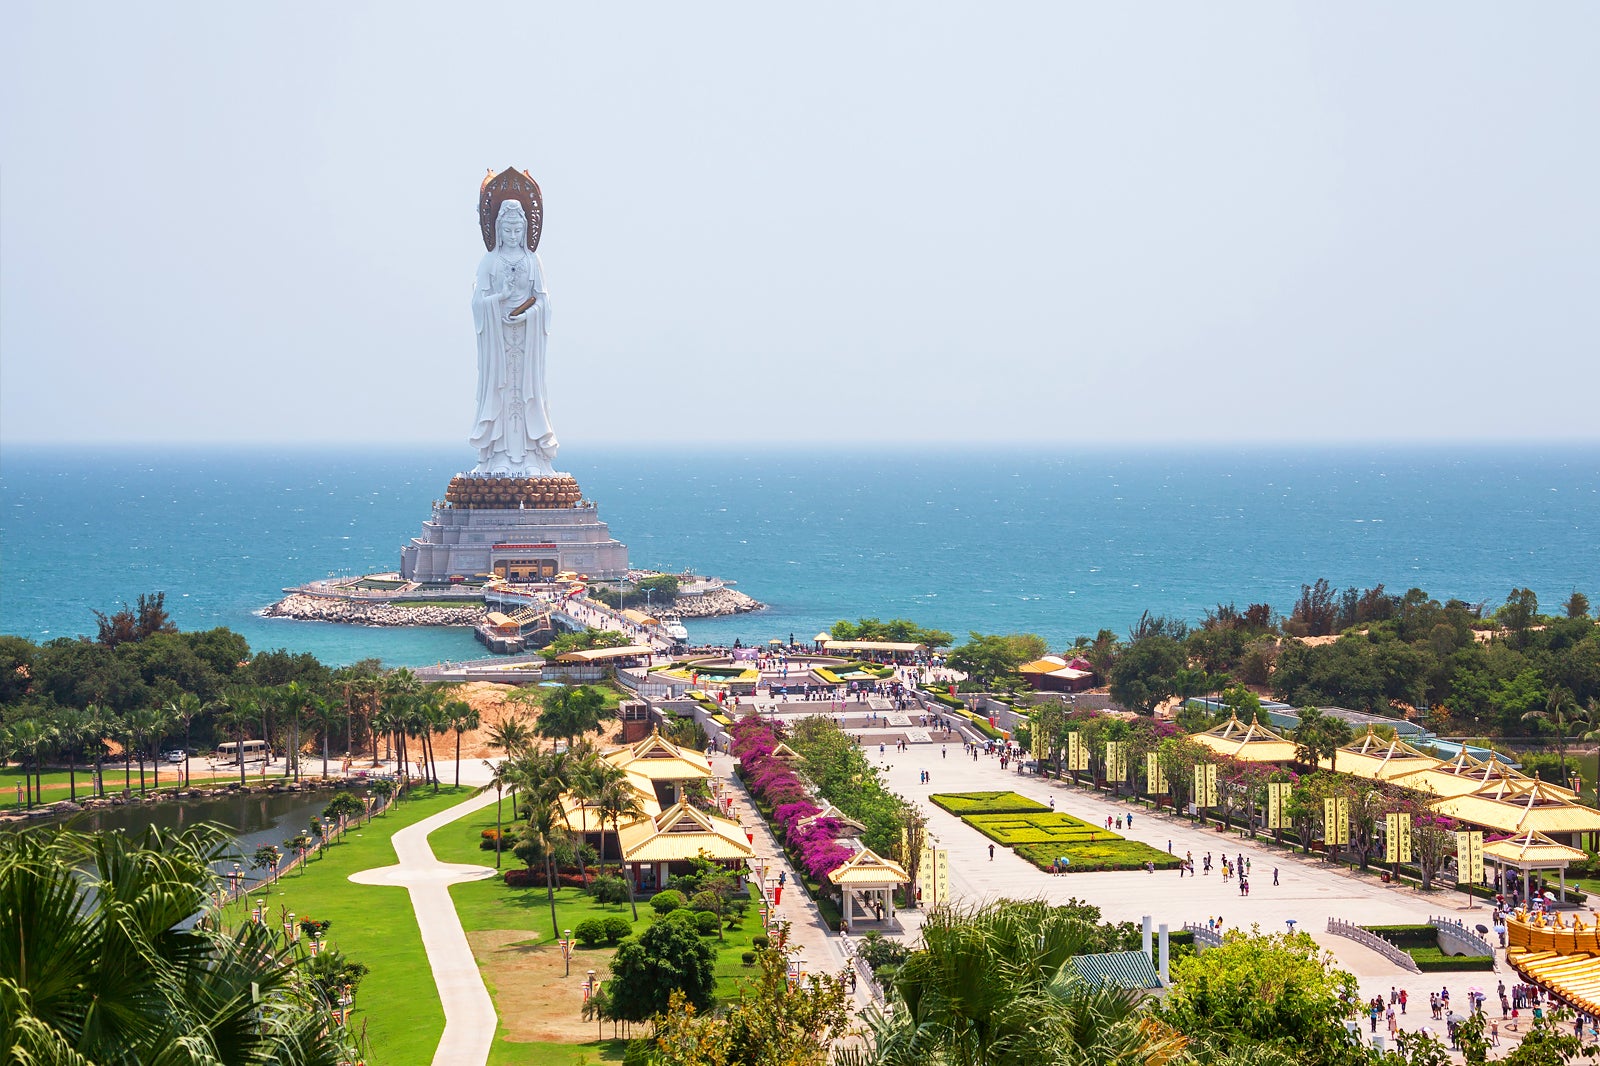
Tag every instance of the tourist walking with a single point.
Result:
(991, 853)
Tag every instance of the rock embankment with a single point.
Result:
(372, 612)
(715, 603)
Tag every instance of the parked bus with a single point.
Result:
(251, 751)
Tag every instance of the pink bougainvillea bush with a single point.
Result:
(770, 778)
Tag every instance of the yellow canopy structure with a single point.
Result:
(869, 879)
(659, 759)
(1376, 759)
(681, 832)
(1247, 743)
(1518, 806)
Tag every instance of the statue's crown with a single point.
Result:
(510, 184)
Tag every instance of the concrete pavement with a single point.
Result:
(469, 1015)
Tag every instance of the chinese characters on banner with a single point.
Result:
(1205, 784)
(1469, 857)
(1155, 776)
(1397, 838)
(1077, 752)
(1116, 761)
(1278, 804)
(1336, 822)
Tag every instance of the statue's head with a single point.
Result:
(511, 225)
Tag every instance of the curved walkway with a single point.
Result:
(469, 1016)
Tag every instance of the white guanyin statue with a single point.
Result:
(511, 312)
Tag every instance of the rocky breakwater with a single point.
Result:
(373, 612)
(715, 603)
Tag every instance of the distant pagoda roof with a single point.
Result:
(1378, 758)
(1247, 743)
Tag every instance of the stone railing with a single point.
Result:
(1456, 939)
(1351, 931)
(1204, 936)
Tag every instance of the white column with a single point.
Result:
(1162, 964)
(849, 912)
(1145, 929)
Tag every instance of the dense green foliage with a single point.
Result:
(895, 630)
(106, 967)
(667, 957)
(963, 803)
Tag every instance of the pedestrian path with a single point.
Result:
(469, 1016)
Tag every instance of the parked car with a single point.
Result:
(175, 755)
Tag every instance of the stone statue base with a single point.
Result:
(520, 528)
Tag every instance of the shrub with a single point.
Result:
(760, 941)
(524, 878)
(1406, 937)
(590, 931)
(667, 901)
(609, 889)
(1046, 828)
(708, 924)
(748, 958)
(964, 803)
(493, 840)
(1432, 960)
(1094, 858)
(706, 900)
(680, 914)
(616, 927)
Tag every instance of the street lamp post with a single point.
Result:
(566, 951)
(588, 997)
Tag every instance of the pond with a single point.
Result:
(252, 820)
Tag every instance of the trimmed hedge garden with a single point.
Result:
(962, 804)
(1042, 835)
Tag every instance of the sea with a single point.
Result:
(1058, 542)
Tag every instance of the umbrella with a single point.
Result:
(775, 641)
(1483, 930)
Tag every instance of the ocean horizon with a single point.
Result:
(1048, 540)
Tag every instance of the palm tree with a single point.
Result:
(463, 717)
(71, 726)
(100, 723)
(29, 737)
(511, 734)
(296, 700)
(1560, 709)
(144, 724)
(993, 986)
(186, 708)
(1319, 735)
(239, 714)
(616, 798)
(116, 970)
(400, 690)
(327, 714)
(545, 839)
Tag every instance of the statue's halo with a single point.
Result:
(510, 184)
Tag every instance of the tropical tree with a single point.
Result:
(144, 726)
(327, 714)
(544, 839)
(511, 734)
(1559, 714)
(668, 957)
(100, 723)
(102, 962)
(29, 737)
(71, 727)
(185, 708)
(401, 689)
(463, 717)
(993, 986)
(239, 711)
(1319, 736)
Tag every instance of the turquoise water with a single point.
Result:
(1003, 541)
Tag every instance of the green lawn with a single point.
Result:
(1041, 835)
(490, 905)
(547, 1054)
(965, 803)
(57, 783)
(374, 925)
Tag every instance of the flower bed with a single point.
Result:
(961, 804)
(1048, 827)
(1097, 857)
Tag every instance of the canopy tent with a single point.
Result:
(872, 645)
(1058, 673)
(1376, 759)
(1247, 743)
(867, 874)
(1531, 851)
(600, 655)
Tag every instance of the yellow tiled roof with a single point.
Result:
(1247, 743)
(865, 868)
(1516, 806)
(659, 759)
(682, 832)
(1532, 849)
(1376, 759)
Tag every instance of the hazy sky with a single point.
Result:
(954, 223)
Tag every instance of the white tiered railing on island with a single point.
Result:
(1351, 931)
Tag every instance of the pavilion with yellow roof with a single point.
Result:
(1378, 759)
(667, 832)
(1247, 743)
(869, 879)
(1519, 806)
